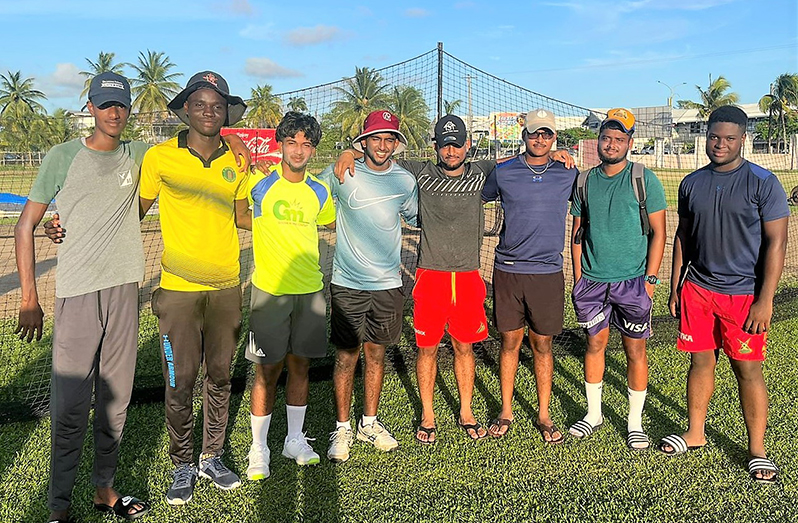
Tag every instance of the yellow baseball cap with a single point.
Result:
(623, 117)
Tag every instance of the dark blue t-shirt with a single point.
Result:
(532, 237)
(726, 212)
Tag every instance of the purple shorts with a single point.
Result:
(625, 303)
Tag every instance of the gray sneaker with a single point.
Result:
(211, 467)
(182, 489)
(377, 435)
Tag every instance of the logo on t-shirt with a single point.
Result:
(229, 174)
(125, 178)
(289, 212)
(356, 203)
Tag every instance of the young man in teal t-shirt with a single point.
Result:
(615, 270)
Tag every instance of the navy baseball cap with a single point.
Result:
(450, 130)
(109, 87)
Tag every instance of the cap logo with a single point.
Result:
(112, 84)
(621, 113)
(386, 116)
(211, 79)
(542, 114)
(449, 127)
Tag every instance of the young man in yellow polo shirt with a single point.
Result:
(202, 199)
(287, 322)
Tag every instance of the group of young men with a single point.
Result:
(724, 287)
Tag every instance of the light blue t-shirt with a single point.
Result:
(369, 208)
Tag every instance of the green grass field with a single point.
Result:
(517, 478)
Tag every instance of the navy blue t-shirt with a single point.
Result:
(532, 237)
(726, 212)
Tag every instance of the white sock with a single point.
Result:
(593, 393)
(260, 429)
(344, 424)
(367, 420)
(636, 400)
(296, 419)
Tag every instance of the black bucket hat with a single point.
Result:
(208, 80)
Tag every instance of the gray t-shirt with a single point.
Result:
(450, 215)
(96, 194)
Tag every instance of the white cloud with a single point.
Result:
(258, 32)
(417, 12)
(302, 36)
(268, 68)
(67, 75)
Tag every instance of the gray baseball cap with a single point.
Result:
(539, 119)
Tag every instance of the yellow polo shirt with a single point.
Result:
(285, 238)
(196, 200)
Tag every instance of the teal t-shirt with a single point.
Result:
(613, 246)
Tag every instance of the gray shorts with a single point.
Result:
(291, 323)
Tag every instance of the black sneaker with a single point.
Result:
(182, 489)
(211, 467)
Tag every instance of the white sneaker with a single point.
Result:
(259, 458)
(340, 443)
(300, 450)
(377, 435)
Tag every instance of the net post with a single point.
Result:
(440, 81)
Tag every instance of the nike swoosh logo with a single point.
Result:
(356, 203)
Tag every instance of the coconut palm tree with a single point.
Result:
(782, 101)
(105, 63)
(17, 95)
(363, 93)
(153, 86)
(451, 107)
(713, 97)
(265, 109)
(297, 103)
(408, 104)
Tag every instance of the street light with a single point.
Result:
(670, 98)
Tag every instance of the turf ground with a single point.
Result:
(517, 478)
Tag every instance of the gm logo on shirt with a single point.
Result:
(289, 212)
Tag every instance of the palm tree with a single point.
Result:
(782, 102)
(58, 129)
(408, 104)
(154, 86)
(362, 94)
(105, 63)
(265, 109)
(451, 107)
(297, 103)
(715, 96)
(17, 95)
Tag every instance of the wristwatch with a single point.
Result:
(652, 279)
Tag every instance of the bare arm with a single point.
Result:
(346, 162)
(239, 150)
(656, 246)
(576, 250)
(774, 240)
(331, 226)
(243, 215)
(678, 265)
(31, 316)
(562, 156)
(144, 206)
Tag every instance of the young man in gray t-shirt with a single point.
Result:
(95, 185)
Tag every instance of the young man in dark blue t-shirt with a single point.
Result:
(728, 255)
(528, 286)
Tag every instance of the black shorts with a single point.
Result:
(358, 316)
(535, 299)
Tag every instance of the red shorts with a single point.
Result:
(711, 320)
(453, 301)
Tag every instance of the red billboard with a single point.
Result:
(261, 143)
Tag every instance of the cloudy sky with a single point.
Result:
(586, 52)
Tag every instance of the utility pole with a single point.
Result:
(440, 80)
(470, 113)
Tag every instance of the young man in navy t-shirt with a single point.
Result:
(728, 255)
(528, 285)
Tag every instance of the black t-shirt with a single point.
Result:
(450, 215)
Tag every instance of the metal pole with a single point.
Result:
(470, 113)
(440, 80)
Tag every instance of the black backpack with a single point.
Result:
(639, 186)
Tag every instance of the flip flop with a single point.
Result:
(429, 431)
(122, 508)
(472, 426)
(677, 445)
(550, 430)
(498, 423)
(760, 464)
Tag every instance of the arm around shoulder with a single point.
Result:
(31, 316)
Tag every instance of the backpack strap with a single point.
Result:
(581, 193)
(639, 186)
